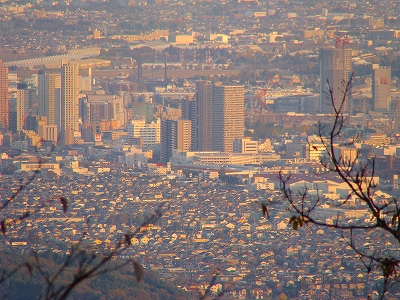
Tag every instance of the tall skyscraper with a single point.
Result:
(49, 97)
(168, 139)
(188, 109)
(395, 105)
(203, 117)
(4, 109)
(227, 117)
(381, 88)
(335, 69)
(21, 107)
(69, 101)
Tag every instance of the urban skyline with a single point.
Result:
(199, 113)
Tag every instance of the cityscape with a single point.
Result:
(198, 112)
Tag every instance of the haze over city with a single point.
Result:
(192, 114)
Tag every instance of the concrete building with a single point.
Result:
(69, 101)
(188, 110)
(88, 132)
(134, 126)
(381, 88)
(150, 133)
(228, 116)
(302, 103)
(181, 39)
(96, 108)
(184, 135)
(168, 139)
(245, 146)
(37, 166)
(26, 98)
(202, 119)
(335, 69)
(175, 134)
(48, 133)
(4, 109)
(49, 97)
(216, 158)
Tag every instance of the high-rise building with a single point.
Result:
(227, 116)
(49, 97)
(335, 70)
(184, 135)
(4, 109)
(395, 107)
(202, 119)
(33, 122)
(188, 109)
(381, 88)
(69, 101)
(187, 106)
(175, 134)
(168, 139)
(21, 107)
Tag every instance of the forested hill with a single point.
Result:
(114, 285)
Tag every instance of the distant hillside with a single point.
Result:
(113, 285)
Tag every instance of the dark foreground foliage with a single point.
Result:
(28, 283)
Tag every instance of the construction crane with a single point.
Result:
(259, 102)
(29, 112)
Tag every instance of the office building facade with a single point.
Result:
(49, 97)
(168, 139)
(381, 88)
(202, 118)
(4, 107)
(335, 71)
(228, 116)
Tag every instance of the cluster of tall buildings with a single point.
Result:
(211, 121)
(61, 107)
(336, 71)
(56, 106)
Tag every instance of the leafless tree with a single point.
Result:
(359, 175)
(82, 262)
